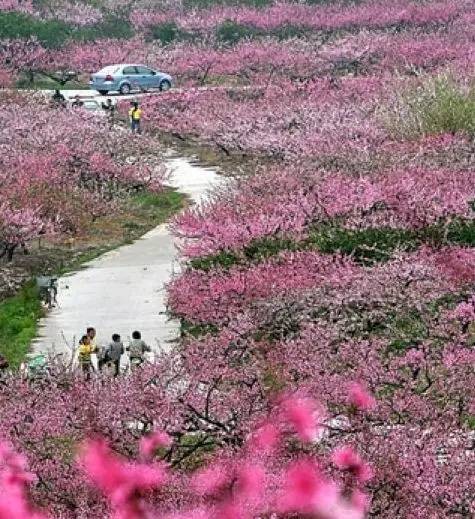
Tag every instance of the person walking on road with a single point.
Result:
(114, 352)
(95, 349)
(91, 333)
(135, 115)
(84, 356)
(109, 108)
(137, 349)
(58, 98)
(77, 103)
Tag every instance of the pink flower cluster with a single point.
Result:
(25, 6)
(243, 485)
(368, 14)
(465, 311)
(402, 198)
(61, 176)
(217, 296)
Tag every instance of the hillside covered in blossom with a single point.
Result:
(325, 367)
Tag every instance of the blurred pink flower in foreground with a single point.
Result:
(359, 397)
(345, 458)
(150, 443)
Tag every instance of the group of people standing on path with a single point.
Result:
(109, 356)
(135, 112)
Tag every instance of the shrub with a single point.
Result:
(366, 245)
(437, 106)
(113, 27)
(18, 318)
(333, 2)
(54, 33)
(230, 32)
(51, 33)
(165, 32)
(205, 4)
(287, 32)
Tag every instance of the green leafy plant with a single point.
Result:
(230, 32)
(18, 321)
(437, 106)
(165, 32)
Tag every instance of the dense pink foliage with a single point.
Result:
(217, 296)
(420, 44)
(368, 14)
(55, 163)
(243, 485)
(401, 198)
(306, 383)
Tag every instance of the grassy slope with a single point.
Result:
(18, 318)
(19, 314)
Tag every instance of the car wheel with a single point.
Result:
(165, 85)
(103, 92)
(125, 89)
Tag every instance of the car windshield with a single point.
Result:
(111, 69)
(90, 105)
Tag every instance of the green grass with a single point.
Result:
(266, 247)
(18, 321)
(407, 331)
(469, 421)
(437, 106)
(196, 330)
(41, 82)
(193, 450)
(205, 4)
(159, 206)
(224, 259)
(366, 246)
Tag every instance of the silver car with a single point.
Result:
(125, 78)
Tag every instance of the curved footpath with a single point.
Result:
(123, 290)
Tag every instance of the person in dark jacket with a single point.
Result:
(114, 352)
(109, 108)
(58, 98)
(3, 368)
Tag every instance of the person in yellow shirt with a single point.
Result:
(84, 356)
(135, 115)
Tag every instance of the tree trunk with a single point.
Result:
(10, 252)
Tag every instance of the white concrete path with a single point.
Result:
(123, 290)
(115, 96)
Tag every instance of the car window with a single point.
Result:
(145, 71)
(129, 70)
